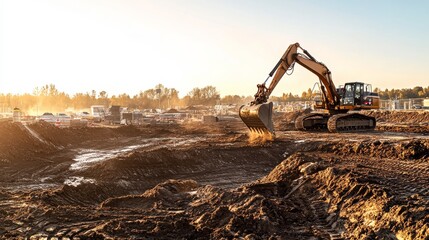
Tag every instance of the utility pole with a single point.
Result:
(158, 91)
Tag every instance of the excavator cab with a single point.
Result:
(359, 95)
(352, 94)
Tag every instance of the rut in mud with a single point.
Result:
(200, 182)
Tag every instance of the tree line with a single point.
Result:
(392, 94)
(404, 93)
(49, 98)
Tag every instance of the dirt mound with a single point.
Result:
(20, 149)
(69, 136)
(401, 117)
(366, 210)
(168, 193)
(16, 141)
(85, 194)
(402, 121)
(411, 150)
(27, 149)
(151, 167)
(286, 121)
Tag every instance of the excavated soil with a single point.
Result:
(209, 181)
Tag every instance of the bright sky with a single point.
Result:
(125, 46)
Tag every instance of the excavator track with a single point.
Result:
(311, 121)
(351, 122)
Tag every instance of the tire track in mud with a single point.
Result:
(323, 224)
(392, 188)
(401, 176)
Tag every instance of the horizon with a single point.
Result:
(97, 91)
(128, 46)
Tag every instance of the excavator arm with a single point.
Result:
(258, 116)
(287, 62)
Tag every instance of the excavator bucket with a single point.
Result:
(258, 118)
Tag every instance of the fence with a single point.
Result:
(402, 104)
(392, 104)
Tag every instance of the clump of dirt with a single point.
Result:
(286, 171)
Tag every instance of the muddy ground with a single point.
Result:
(196, 181)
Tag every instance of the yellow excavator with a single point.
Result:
(336, 102)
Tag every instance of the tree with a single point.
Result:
(103, 98)
(232, 99)
(204, 96)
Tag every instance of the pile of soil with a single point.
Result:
(19, 149)
(26, 150)
(286, 121)
(401, 117)
(402, 121)
(72, 136)
(364, 209)
(405, 150)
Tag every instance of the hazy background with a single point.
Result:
(127, 46)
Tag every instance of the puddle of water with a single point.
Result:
(35, 186)
(87, 157)
(76, 181)
(185, 142)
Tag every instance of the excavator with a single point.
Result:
(334, 103)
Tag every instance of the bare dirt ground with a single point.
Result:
(198, 181)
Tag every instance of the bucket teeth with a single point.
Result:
(258, 118)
